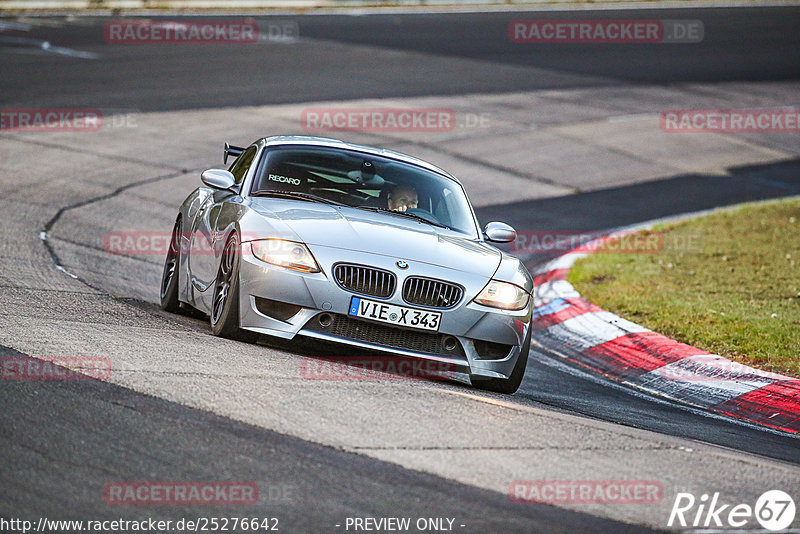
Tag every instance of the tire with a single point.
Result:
(511, 384)
(169, 277)
(225, 304)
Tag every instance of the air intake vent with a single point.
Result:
(431, 293)
(342, 326)
(365, 280)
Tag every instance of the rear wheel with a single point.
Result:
(169, 278)
(511, 384)
(225, 306)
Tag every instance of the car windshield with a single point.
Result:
(365, 181)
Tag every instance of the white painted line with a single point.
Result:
(544, 293)
(563, 262)
(703, 394)
(63, 270)
(591, 329)
(706, 367)
(705, 379)
(60, 50)
(639, 392)
(631, 117)
(15, 26)
(28, 45)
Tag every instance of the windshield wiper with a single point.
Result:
(401, 214)
(296, 195)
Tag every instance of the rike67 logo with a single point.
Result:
(774, 510)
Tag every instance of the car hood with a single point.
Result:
(379, 233)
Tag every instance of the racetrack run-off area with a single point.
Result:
(631, 354)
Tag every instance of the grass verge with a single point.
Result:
(728, 283)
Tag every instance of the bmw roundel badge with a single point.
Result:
(402, 264)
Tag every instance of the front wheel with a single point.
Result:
(511, 384)
(225, 306)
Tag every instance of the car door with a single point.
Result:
(206, 240)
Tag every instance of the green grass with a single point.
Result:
(728, 283)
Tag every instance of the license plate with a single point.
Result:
(396, 315)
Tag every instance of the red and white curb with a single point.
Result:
(578, 331)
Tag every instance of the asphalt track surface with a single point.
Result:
(743, 45)
(739, 44)
(184, 444)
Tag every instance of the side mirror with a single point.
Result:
(499, 232)
(218, 179)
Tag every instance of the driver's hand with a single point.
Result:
(402, 204)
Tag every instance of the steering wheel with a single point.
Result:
(428, 216)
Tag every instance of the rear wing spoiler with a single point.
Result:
(231, 150)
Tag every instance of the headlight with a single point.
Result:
(503, 295)
(285, 254)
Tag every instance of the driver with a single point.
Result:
(402, 197)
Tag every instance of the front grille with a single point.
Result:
(365, 280)
(345, 327)
(431, 293)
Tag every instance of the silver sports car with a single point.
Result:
(351, 244)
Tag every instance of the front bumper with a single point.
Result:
(488, 340)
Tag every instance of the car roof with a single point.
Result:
(328, 142)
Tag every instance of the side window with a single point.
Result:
(240, 166)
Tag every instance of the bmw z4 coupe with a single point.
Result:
(315, 237)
